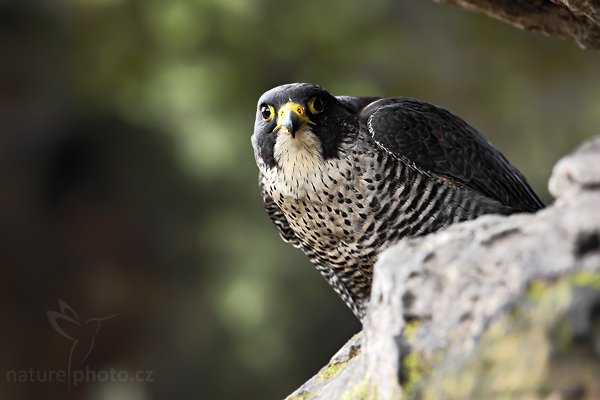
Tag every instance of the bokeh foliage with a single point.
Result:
(231, 310)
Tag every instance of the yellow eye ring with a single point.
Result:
(315, 105)
(267, 112)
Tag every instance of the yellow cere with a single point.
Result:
(290, 107)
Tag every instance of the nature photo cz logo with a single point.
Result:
(82, 336)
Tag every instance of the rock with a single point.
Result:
(577, 171)
(499, 307)
(342, 378)
(575, 19)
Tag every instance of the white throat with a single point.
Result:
(301, 166)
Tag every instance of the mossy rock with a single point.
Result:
(529, 353)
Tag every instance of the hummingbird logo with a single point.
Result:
(82, 334)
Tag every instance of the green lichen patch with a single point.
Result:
(536, 289)
(332, 369)
(415, 367)
(410, 330)
(358, 391)
(361, 390)
(527, 353)
(300, 396)
(587, 279)
(412, 371)
(339, 363)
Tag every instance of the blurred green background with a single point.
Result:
(129, 183)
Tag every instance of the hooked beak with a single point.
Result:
(291, 118)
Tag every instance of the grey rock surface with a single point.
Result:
(499, 307)
(578, 171)
(575, 19)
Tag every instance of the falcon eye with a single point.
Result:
(315, 105)
(267, 112)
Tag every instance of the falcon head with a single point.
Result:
(300, 122)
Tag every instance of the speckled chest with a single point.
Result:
(326, 210)
(329, 203)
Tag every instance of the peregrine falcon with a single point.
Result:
(344, 177)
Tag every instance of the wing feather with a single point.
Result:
(437, 142)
